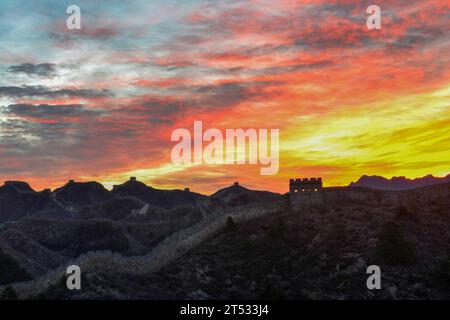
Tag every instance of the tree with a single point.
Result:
(8, 294)
(392, 247)
(231, 226)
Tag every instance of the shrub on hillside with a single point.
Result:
(272, 290)
(337, 232)
(443, 273)
(8, 294)
(392, 248)
(231, 226)
(277, 230)
(10, 270)
(404, 214)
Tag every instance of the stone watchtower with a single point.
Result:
(305, 185)
(305, 194)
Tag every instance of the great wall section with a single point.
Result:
(169, 249)
(307, 194)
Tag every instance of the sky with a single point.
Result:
(100, 103)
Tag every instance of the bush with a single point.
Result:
(277, 230)
(443, 273)
(54, 291)
(8, 294)
(272, 291)
(405, 214)
(231, 226)
(322, 209)
(10, 270)
(367, 216)
(442, 205)
(337, 232)
(392, 248)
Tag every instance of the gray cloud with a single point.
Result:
(231, 94)
(41, 91)
(41, 69)
(152, 111)
(417, 36)
(46, 111)
(297, 67)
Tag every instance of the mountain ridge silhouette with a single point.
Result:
(398, 183)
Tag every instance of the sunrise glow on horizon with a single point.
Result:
(101, 103)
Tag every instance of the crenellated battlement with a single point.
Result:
(294, 181)
(305, 185)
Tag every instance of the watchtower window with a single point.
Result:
(305, 185)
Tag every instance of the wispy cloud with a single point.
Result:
(101, 102)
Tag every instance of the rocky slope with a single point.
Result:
(167, 199)
(40, 231)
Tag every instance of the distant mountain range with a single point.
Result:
(397, 183)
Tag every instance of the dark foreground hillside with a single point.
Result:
(309, 256)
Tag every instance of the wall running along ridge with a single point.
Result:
(166, 251)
